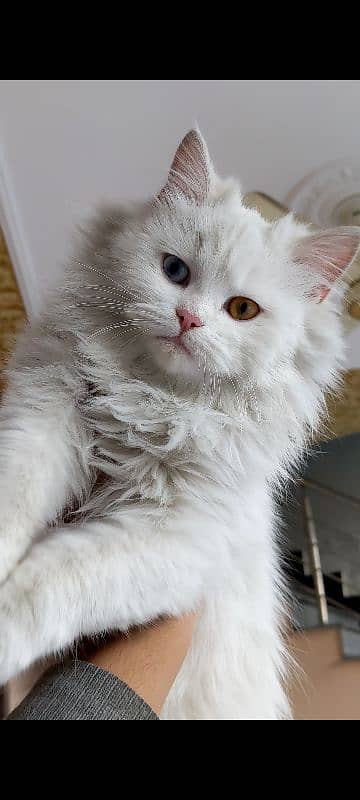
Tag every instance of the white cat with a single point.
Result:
(151, 415)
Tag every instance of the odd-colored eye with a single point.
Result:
(176, 270)
(242, 308)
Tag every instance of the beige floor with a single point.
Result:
(327, 686)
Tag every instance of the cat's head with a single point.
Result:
(216, 289)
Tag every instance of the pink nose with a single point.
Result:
(188, 320)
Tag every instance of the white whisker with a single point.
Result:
(96, 270)
(235, 390)
(117, 325)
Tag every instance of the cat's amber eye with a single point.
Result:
(243, 308)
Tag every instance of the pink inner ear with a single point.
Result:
(191, 170)
(328, 254)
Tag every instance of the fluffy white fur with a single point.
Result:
(136, 480)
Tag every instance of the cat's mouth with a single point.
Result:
(175, 342)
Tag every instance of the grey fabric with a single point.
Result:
(81, 691)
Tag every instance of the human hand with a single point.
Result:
(148, 659)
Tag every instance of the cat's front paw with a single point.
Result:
(10, 554)
(15, 636)
(9, 666)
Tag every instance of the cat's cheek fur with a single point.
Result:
(172, 360)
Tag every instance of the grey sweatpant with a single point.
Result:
(81, 691)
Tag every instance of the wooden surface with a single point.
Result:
(12, 314)
(345, 412)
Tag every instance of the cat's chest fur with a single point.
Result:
(154, 445)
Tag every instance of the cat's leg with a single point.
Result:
(91, 578)
(234, 668)
(40, 464)
(237, 667)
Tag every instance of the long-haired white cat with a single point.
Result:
(150, 416)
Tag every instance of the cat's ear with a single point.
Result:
(191, 171)
(327, 254)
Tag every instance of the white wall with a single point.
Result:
(65, 144)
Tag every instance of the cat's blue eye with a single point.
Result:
(176, 270)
